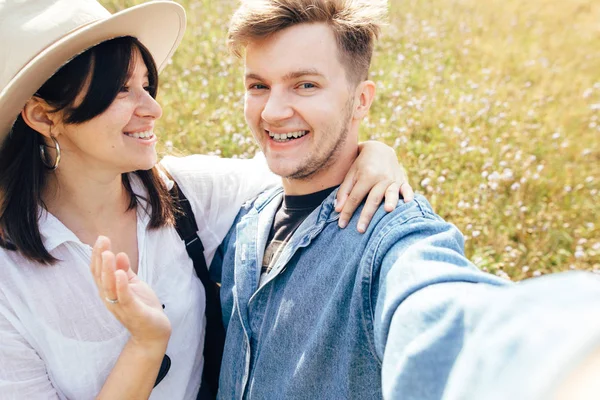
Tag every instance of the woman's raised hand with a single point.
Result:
(128, 298)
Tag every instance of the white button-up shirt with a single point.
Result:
(58, 340)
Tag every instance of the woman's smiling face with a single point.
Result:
(122, 137)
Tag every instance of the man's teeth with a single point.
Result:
(285, 136)
(141, 135)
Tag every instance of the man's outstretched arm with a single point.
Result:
(445, 330)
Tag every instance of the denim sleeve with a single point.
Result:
(445, 330)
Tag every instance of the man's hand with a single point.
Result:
(584, 382)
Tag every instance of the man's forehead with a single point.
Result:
(305, 38)
(297, 51)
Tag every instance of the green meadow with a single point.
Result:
(493, 107)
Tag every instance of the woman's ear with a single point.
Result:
(365, 94)
(38, 116)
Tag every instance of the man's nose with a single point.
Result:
(277, 108)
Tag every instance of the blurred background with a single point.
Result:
(493, 107)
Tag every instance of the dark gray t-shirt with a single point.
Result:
(292, 211)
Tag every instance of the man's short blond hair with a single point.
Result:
(355, 24)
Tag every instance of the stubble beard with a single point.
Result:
(312, 165)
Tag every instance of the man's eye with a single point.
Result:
(258, 86)
(307, 85)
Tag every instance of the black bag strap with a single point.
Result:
(214, 340)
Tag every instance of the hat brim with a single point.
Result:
(158, 25)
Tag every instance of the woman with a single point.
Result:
(77, 160)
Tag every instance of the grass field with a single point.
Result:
(493, 106)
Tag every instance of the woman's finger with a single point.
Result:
(102, 244)
(371, 205)
(124, 264)
(360, 190)
(392, 196)
(407, 192)
(345, 189)
(109, 290)
(122, 289)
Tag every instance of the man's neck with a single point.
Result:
(330, 176)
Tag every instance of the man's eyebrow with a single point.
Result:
(289, 76)
(301, 73)
(256, 77)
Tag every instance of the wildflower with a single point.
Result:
(507, 174)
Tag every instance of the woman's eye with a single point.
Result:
(124, 89)
(149, 89)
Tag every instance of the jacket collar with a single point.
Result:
(326, 209)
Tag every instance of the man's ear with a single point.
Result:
(37, 114)
(365, 94)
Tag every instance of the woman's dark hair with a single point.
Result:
(105, 69)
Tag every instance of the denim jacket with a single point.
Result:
(397, 312)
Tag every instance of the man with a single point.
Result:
(313, 311)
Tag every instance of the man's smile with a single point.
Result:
(286, 137)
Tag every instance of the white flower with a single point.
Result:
(507, 174)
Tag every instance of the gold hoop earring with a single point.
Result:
(45, 157)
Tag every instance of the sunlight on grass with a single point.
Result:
(493, 107)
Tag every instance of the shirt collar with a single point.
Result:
(326, 209)
(54, 233)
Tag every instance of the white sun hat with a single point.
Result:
(37, 37)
